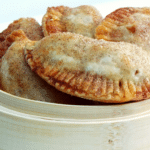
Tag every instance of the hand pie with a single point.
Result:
(18, 79)
(127, 24)
(82, 20)
(30, 26)
(110, 72)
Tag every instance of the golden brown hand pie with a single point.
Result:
(99, 70)
(127, 24)
(30, 26)
(82, 20)
(18, 79)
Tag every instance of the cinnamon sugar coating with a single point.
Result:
(82, 20)
(30, 26)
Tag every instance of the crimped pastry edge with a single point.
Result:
(52, 15)
(118, 18)
(80, 84)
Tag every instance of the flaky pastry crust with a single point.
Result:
(110, 72)
(82, 20)
(127, 24)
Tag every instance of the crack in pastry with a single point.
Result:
(82, 20)
(126, 24)
(30, 26)
(110, 72)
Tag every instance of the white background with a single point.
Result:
(11, 10)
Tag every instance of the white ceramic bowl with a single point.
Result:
(34, 125)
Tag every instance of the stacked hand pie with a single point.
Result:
(77, 52)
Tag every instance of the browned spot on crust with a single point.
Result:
(132, 29)
(120, 14)
(53, 27)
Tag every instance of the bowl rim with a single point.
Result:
(79, 113)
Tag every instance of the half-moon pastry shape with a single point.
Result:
(110, 72)
(18, 79)
(30, 26)
(127, 24)
(82, 20)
